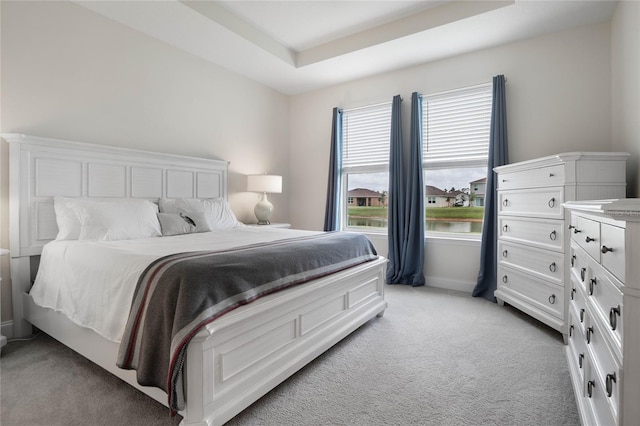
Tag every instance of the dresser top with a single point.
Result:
(621, 209)
(562, 158)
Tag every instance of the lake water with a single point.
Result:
(431, 225)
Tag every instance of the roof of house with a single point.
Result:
(363, 192)
(432, 190)
(456, 193)
(483, 180)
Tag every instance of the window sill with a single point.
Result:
(433, 237)
(372, 231)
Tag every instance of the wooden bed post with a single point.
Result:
(20, 283)
(20, 267)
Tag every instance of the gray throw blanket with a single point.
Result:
(179, 294)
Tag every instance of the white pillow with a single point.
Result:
(118, 220)
(183, 223)
(66, 218)
(216, 210)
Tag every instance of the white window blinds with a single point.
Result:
(456, 126)
(366, 133)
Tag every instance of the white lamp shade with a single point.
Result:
(264, 183)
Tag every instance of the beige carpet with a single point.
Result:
(435, 358)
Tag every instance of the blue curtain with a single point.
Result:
(395, 223)
(498, 156)
(332, 212)
(406, 202)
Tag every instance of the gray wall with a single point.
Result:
(558, 100)
(625, 88)
(69, 73)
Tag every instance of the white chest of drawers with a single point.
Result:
(533, 238)
(604, 310)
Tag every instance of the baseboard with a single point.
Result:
(6, 329)
(450, 284)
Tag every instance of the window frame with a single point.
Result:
(347, 170)
(426, 166)
(344, 211)
(453, 163)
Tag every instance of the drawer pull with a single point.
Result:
(505, 202)
(552, 299)
(583, 272)
(576, 230)
(504, 253)
(552, 203)
(592, 283)
(505, 228)
(589, 239)
(571, 227)
(590, 385)
(573, 293)
(553, 267)
(589, 333)
(605, 249)
(573, 260)
(611, 379)
(581, 315)
(571, 330)
(580, 360)
(551, 175)
(553, 235)
(504, 279)
(614, 313)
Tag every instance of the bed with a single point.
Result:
(231, 361)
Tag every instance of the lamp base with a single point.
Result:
(263, 210)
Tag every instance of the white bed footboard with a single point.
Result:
(243, 355)
(246, 354)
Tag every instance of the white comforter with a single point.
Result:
(92, 282)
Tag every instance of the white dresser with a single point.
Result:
(604, 310)
(532, 226)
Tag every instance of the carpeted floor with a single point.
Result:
(435, 358)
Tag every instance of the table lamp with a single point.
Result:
(264, 184)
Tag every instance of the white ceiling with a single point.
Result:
(297, 46)
(301, 25)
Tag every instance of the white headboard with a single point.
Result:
(41, 168)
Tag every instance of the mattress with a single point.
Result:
(92, 282)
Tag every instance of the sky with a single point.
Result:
(443, 179)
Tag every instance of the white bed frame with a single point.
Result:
(237, 358)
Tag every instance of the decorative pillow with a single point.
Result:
(67, 218)
(118, 220)
(170, 205)
(182, 223)
(216, 210)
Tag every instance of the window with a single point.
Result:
(455, 129)
(365, 166)
(455, 136)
